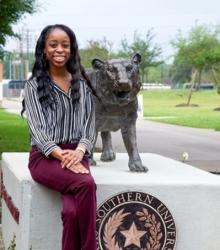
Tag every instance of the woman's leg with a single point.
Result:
(79, 213)
(71, 235)
(78, 196)
(85, 195)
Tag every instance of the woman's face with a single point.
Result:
(57, 48)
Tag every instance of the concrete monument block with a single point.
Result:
(172, 206)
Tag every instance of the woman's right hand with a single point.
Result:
(75, 168)
(78, 168)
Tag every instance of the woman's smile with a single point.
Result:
(59, 59)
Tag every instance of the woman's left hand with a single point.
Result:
(71, 157)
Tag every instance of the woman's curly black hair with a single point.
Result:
(41, 67)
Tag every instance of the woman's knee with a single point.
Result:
(68, 214)
(88, 183)
(84, 183)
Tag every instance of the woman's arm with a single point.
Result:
(36, 120)
(88, 131)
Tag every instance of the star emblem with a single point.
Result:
(133, 236)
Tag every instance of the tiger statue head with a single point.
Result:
(116, 81)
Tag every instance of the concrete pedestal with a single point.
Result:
(186, 196)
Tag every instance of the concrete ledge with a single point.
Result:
(191, 195)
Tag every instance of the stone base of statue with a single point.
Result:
(172, 206)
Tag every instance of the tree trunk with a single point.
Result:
(199, 80)
(192, 87)
(216, 79)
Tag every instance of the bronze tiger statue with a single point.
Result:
(117, 83)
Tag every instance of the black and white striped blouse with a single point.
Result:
(61, 123)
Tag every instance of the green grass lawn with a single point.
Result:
(13, 133)
(160, 105)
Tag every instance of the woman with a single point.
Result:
(61, 118)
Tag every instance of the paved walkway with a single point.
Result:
(202, 145)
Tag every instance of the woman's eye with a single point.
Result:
(66, 46)
(53, 45)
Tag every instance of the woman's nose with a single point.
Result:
(59, 48)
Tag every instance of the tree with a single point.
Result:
(159, 74)
(198, 51)
(214, 66)
(11, 11)
(154, 74)
(180, 72)
(149, 52)
(100, 49)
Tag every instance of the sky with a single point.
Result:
(119, 19)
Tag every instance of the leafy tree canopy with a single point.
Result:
(100, 49)
(11, 11)
(149, 51)
(199, 50)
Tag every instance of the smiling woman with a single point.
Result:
(61, 118)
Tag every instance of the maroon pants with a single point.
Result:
(78, 198)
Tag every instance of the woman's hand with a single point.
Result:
(78, 169)
(71, 157)
(57, 153)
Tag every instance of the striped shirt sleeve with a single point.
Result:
(89, 132)
(36, 120)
